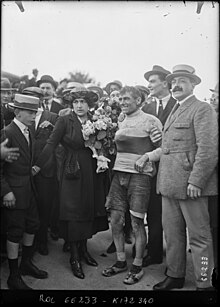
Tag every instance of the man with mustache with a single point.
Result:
(48, 86)
(186, 177)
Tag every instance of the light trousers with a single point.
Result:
(193, 214)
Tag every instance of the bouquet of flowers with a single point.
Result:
(98, 134)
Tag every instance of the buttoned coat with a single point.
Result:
(41, 135)
(83, 198)
(151, 108)
(56, 107)
(189, 150)
(16, 176)
(7, 114)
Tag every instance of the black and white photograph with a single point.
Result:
(109, 152)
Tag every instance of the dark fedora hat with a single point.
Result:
(156, 70)
(183, 70)
(6, 85)
(25, 102)
(82, 92)
(116, 82)
(33, 91)
(47, 79)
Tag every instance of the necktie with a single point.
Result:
(26, 134)
(46, 105)
(160, 110)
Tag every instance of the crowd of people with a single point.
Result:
(163, 173)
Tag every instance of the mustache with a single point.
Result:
(177, 89)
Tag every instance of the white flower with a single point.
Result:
(88, 129)
(100, 125)
(95, 117)
(102, 164)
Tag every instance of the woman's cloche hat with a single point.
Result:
(82, 92)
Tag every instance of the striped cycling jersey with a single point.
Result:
(133, 140)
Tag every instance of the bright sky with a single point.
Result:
(111, 39)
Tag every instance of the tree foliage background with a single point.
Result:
(82, 77)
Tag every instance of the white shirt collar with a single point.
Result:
(164, 101)
(49, 103)
(182, 101)
(20, 125)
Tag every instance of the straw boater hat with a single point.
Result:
(118, 83)
(183, 70)
(82, 92)
(33, 91)
(47, 79)
(156, 70)
(94, 87)
(6, 85)
(70, 86)
(25, 102)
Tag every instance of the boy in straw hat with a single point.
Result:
(18, 194)
(46, 182)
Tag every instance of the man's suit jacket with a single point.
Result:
(16, 176)
(56, 107)
(189, 150)
(151, 108)
(41, 135)
(8, 115)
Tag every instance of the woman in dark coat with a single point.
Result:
(82, 191)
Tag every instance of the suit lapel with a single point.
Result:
(20, 138)
(154, 107)
(171, 118)
(168, 109)
(150, 108)
(32, 128)
(54, 107)
(42, 118)
(31, 146)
